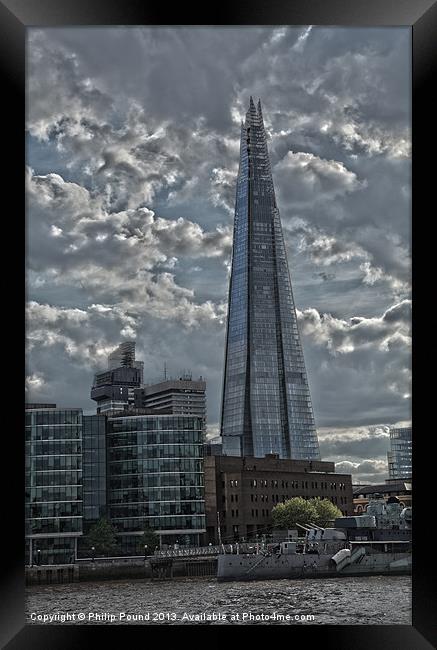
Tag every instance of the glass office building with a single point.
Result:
(401, 452)
(94, 468)
(266, 405)
(53, 484)
(155, 478)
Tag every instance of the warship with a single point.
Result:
(377, 542)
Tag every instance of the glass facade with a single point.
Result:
(401, 452)
(53, 484)
(155, 478)
(266, 406)
(94, 468)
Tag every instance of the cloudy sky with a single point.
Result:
(132, 157)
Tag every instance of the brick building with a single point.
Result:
(402, 489)
(241, 492)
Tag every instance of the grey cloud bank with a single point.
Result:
(132, 160)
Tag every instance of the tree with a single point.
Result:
(292, 512)
(326, 511)
(150, 539)
(102, 536)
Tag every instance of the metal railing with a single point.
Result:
(195, 551)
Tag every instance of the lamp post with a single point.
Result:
(38, 557)
(145, 552)
(93, 550)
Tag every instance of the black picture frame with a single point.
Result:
(15, 17)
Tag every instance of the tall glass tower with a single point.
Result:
(266, 406)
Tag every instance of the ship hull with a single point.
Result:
(244, 568)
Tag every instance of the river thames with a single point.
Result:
(376, 600)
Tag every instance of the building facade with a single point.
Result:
(124, 355)
(53, 484)
(113, 389)
(240, 493)
(93, 469)
(183, 396)
(266, 404)
(399, 457)
(403, 490)
(155, 477)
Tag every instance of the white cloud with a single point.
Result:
(35, 383)
(306, 179)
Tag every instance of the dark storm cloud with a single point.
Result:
(133, 150)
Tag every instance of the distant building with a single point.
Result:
(124, 355)
(113, 389)
(400, 455)
(53, 483)
(403, 490)
(155, 477)
(240, 493)
(214, 446)
(182, 396)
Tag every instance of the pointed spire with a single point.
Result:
(251, 112)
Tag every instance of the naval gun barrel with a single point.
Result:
(316, 526)
(304, 527)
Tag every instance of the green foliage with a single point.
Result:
(326, 511)
(102, 536)
(151, 539)
(304, 511)
(292, 512)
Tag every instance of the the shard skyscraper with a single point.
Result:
(266, 406)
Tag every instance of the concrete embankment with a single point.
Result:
(153, 569)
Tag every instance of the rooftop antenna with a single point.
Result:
(165, 370)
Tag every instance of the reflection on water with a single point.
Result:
(375, 600)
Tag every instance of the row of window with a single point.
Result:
(53, 433)
(157, 509)
(65, 477)
(181, 522)
(156, 494)
(54, 494)
(54, 447)
(157, 451)
(333, 485)
(158, 465)
(66, 509)
(176, 423)
(53, 463)
(154, 438)
(156, 480)
(53, 417)
(58, 525)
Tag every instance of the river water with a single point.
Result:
(375, 600)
